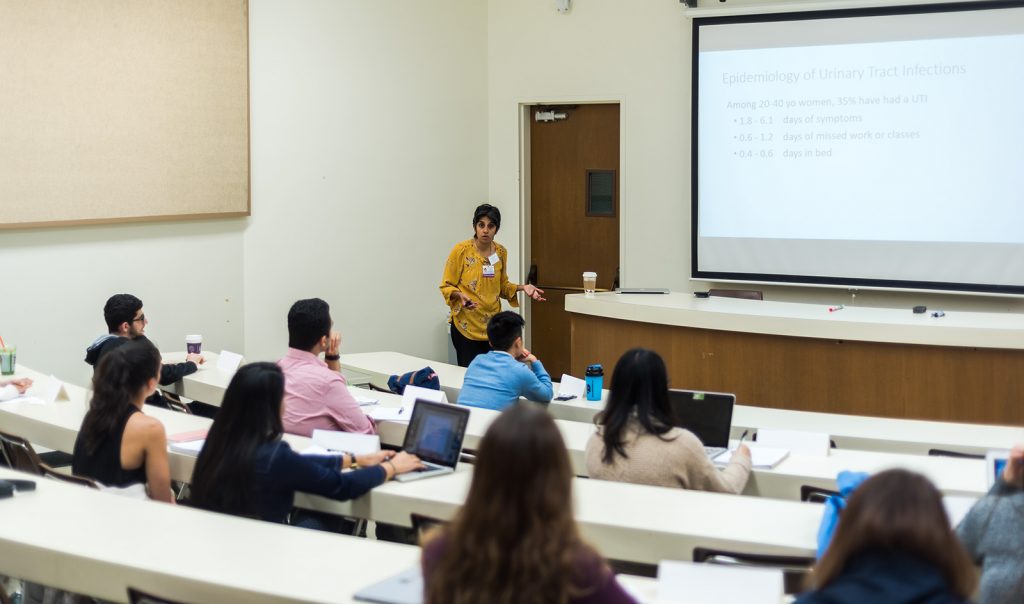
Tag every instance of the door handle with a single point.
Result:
(531, 278)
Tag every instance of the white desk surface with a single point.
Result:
(385, 364)
(56, 425)
(849, 431)
(624, 521)
(860, 323)
(97, 543)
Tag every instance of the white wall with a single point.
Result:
(639, 54)
(369, 153)
(56, 281)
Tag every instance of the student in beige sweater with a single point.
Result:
(636, 440)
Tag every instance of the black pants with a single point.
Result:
(465, 349)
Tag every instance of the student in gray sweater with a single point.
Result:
(993, 533)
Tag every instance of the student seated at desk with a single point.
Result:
(119, 445)
(246, 469)
(497, 379)
(316, 395)
(515, 539)
(127, 321)
(993, 533)
(893, 545)
(636, 439)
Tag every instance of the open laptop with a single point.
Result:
(706, 414)
(435, 435)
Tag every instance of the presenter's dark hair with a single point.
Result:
(486, 209)
(120, 376)
(897, 510)
(503, 329)
(120, 308)
(639, 391)
(515, 539)
(249, 417)
(308, 321)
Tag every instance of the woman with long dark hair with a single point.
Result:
(637, 441)
(893, 545)
(515, 539)
(246, 469)
(119, 445)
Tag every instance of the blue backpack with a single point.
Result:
(424, 378)
(834, 505)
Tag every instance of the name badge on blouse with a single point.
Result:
(494, 259)
(488, 270)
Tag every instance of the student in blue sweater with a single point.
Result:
(497, 379)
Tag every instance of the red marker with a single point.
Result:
(835, 308)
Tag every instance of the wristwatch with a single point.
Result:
(353, 464)
(332, 357)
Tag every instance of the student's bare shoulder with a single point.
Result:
(146, 427)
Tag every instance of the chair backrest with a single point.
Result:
(421, 524)
(746, 294)
(815, 494)
(139, 597)
(49, 472)
(174, 402)
(20, 454)
(960, 454)
(794, 568)
(376, 388)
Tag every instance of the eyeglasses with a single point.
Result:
(141, 317)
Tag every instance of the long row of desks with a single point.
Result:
(56, 425)
(848, 431)
(627, 522)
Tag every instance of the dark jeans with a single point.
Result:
(465, 349)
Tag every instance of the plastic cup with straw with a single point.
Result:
(8, 358)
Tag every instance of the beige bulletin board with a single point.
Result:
(123, 110)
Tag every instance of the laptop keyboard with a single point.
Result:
(713, 452)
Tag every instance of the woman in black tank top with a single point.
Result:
(121, 383)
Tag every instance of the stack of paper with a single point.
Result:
(763, 458)
(188, 447)
(359, 444)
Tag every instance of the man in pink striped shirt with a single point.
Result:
(315, 394)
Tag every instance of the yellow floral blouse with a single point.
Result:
(464, 272)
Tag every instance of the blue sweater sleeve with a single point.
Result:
(319, 475)
(537, 386)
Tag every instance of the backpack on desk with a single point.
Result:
(423, 378)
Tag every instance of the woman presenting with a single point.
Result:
(475, 279)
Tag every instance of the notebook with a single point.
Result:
(707, 414)
(435, 435)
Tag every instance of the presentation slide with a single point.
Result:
(884, 148)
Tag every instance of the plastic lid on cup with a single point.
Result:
(194, 339)
(590, 275)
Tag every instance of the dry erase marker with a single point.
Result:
(835, 308)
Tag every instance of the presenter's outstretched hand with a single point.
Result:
(534, 292)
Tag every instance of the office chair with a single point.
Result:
(19, 454)
(139, 597)
(794, 568)
(958, 454)
(49, 472)
(815, 494)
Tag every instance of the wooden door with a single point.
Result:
(574, 217)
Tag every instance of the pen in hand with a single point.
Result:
(743, 437)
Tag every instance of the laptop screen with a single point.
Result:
(706, 414)
(435, 432)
